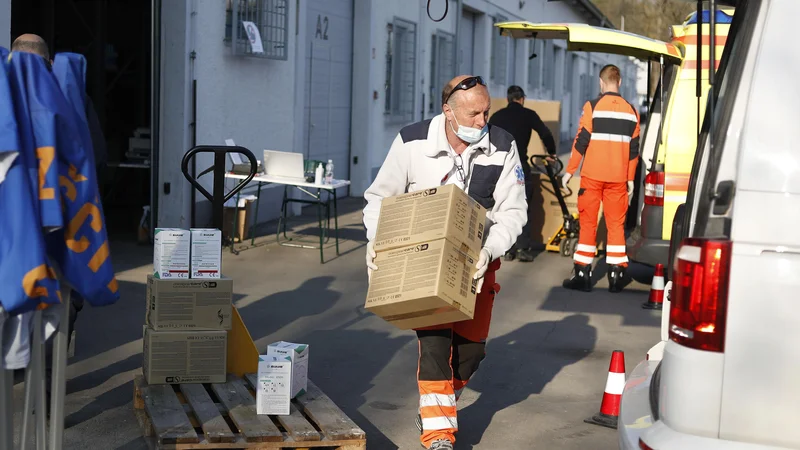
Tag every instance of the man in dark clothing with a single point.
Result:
(520, 122)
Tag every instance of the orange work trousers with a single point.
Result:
(448, 356)
(614, 197)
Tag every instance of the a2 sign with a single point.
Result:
(322, 28)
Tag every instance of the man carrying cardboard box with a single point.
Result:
(456, 147)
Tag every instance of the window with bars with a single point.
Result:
(499, 58)
(269, 17)
(443, 67)
(535, 66)
(401, 63)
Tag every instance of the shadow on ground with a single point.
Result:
(627, 304)
(281, 309)
(521, 364)
(364, 355)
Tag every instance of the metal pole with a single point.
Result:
(699, 51)
(155, 104)
(39, 381)
(219, 190)
(661, 103)
(27, 411)
(6, 409)
(59, 378)
(712, 57)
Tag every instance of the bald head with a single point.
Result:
(468, 106)
(460, 94)
(31, 43)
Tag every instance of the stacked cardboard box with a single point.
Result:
(427, 244)
(187, 319)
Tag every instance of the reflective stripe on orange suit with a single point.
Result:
(608, 143)
(448, 356)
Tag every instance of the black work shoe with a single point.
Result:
(525, 255)
(581, 279)
(616, 278)
(509, 256)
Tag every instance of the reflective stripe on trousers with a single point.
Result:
(448, 356)
(614, 197)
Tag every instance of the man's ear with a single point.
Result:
(446, 109)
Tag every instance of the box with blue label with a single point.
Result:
(298, 355)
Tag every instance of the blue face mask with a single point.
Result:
(468, 134)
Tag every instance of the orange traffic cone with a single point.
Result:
(609, 409)
(656, 300)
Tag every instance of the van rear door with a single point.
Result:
(587, 38)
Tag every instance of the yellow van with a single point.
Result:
(666, 156)
(667, 180)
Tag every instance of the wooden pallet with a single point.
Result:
(223, 415)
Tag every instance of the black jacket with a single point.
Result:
(520, 122)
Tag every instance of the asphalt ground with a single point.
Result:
(545, 371)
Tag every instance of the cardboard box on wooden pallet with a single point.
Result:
(189, 304)
(428, 215)
(177, 357)
(426, 284)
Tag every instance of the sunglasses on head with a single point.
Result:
(465, 85)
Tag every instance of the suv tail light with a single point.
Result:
(643, 446)
(654, 189)
(699, 296)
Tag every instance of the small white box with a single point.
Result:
(298, 354)
(171, 253)
(273, 395)
(206, 252)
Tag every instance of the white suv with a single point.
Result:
(729, 378)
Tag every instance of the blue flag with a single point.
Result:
(26, 280)
(70, 72)
(3, 53)
(36, 129)
(80, 246)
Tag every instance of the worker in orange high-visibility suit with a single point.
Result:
(608, 143)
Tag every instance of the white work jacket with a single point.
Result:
(420, 159)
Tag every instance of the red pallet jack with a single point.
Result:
(565, 239)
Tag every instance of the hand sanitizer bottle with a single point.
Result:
(318, 174)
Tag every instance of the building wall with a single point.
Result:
(247, 99)
(263, 103)
(373, 132)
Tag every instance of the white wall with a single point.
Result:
(250, 100)
(259, 102)
(174, 209)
